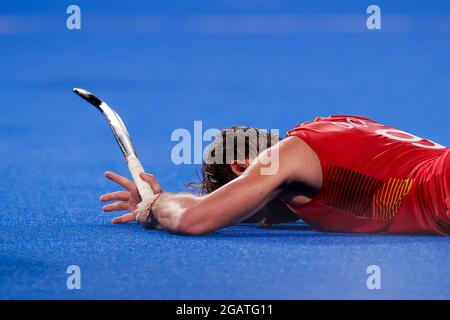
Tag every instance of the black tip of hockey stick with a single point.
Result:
(89, 97)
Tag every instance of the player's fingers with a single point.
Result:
(129, 217)
(115, 196)
(124, 182)
(151, 179)
(117, 206)
(135, 194)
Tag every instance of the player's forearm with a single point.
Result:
(186, 213)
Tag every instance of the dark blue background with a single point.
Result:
(164, 64)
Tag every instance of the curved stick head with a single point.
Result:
(115, 122)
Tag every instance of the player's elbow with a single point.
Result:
(189, 225)
(190, 230)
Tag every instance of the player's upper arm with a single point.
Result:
(240, 198)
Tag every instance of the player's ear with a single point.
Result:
(238, 168)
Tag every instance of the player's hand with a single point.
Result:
(129, 199)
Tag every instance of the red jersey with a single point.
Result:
(376, 178)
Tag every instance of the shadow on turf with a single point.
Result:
(286, 231)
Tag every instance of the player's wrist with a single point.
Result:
(145, 212)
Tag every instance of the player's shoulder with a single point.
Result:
(299, 161)
(295, 146)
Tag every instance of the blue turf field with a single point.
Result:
(164, 65)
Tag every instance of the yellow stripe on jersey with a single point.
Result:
(362, 195)
(387, 201)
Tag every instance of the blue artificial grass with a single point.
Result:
(55, 148)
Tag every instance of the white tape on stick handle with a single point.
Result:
(136, 168)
